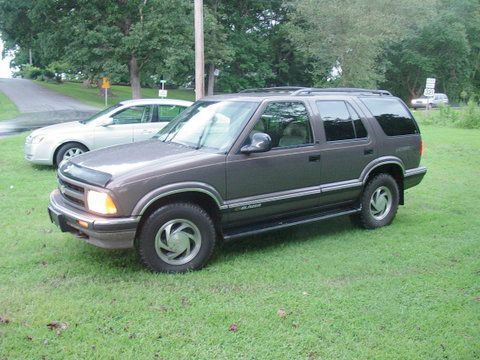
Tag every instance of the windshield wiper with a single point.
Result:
(211, 122)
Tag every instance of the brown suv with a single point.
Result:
(242, 164)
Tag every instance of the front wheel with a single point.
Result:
(177, 237)
(379, 202)
(69, 150)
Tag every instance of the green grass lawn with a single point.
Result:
(90, 95)
(8, 110)
(407, 291)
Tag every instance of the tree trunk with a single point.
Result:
(30, 57)
(211, 79)
(134, 77)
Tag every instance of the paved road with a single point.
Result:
(30, 97)
(39, 107)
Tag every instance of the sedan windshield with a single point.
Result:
(101, 113)
(210, 124)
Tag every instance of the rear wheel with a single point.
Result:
(379, 202)
(177, 237)
(69, 150)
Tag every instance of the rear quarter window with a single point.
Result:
(392, 116)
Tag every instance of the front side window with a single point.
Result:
(133, 115)
(392, 116)
(340, 121)
(209, 124)
(287, 123)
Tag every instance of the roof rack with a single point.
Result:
(277, 89)
(311, 91)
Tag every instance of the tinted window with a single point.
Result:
(287, 123)
(392, 116)
(360, 131)
(341, 121)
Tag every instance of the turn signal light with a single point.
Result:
(421, 148)
(82, 223)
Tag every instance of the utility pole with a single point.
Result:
(199, 59)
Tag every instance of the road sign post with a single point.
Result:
(162, 92)
(105, 87)
(429, 90)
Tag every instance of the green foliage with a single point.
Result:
(8, 110)
(29, 72)
(439, 49)
(466, 117)
(89, 94)
(393, 44)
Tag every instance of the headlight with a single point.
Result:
(101, 203)
(34, 139)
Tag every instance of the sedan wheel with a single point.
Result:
(72, 152)
(68, 151)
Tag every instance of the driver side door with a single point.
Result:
(283, 180)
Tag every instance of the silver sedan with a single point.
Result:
(126, 122)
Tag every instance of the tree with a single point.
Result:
(445, 47)
(345, 39)
(105, 37)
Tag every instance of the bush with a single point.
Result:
(29, 72)
(467, 117)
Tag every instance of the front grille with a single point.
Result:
(72, 193)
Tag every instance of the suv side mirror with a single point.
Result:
(261, 142)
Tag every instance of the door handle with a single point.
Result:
(367, 151)
(314, 158)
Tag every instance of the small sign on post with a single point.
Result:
(106, 86)
(429, 90)
(162, 92)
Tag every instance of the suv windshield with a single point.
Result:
(101, 113)
(209, 124)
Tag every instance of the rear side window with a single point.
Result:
(392, 116)
(341, 121)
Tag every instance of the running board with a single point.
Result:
(234, 233)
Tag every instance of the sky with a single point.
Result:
(4, 64)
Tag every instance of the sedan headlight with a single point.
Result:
(35, 139)
(101, 203)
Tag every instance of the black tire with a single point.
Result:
(385, 188)
(187, 222)
(71, 146)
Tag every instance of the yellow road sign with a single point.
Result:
(105, 83)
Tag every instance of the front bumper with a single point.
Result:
(37, 154)
(107, 233)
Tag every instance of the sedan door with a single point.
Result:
(119, 130)
(154, 120)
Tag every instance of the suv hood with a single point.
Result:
(122, 159)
